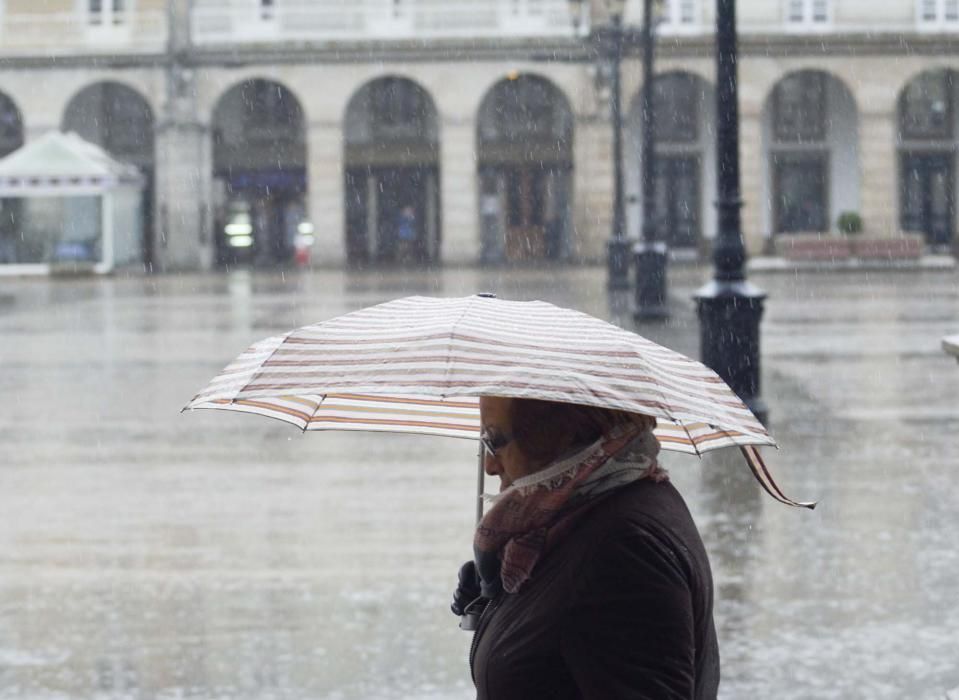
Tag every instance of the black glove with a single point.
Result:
(467, 590)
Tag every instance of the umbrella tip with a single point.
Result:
(486, 295)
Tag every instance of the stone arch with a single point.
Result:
(119, 118)
(810, 153)
(391, 169)
(11, 138)
(927, 116)
(115, 116)
(685, 140)
(11, 125)
(524, 147)
(259, 174)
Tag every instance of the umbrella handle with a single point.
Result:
(480, 473)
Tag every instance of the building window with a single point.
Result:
(104, 13)
(397, 105)
(681, 14)
(525, 109)
(268, 109)
(267, 9)
(799, 108)
(938, 14)
(926, 109)
(808, 13)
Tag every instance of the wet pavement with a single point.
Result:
(148, 554)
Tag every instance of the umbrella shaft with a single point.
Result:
(480, 473)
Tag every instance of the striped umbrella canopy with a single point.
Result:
(420, 364)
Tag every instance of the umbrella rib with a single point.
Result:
(259, 370)
(692, 441)
(316, 410)
(665, 403)
(449, 354)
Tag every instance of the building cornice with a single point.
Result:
(576, 51)
(537, 50)
(121, 61)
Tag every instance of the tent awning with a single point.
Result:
(58, 163)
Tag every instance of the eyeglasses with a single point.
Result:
(493, 444)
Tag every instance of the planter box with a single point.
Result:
(905, 247)
(813, 247)
(823, 247)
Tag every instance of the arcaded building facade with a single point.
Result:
(478, 131)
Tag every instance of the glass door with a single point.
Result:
(525, 213)
(928, 196)
(801, 184)
(678, 200)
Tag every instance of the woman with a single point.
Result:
(597, 582)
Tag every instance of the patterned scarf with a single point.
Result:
(529, 517)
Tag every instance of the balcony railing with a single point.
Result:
(71, 33)
(228, 21)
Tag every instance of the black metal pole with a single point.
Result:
(730, 308)
(617, 247)
(650, 254)
(649, 128)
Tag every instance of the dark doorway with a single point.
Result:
(391, 172)
(524, 149)
(259, 171)
(525, 212)
(392, 214)
(263, 213)
(677, 199)
(801, 186)
(928, 200)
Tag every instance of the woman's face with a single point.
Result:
(509, 463)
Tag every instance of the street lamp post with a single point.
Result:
(729, 307)
(650, 253)
(617, 248)
(610, 41)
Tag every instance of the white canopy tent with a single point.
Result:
(951, 345)
(65, 201)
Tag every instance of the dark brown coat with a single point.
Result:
(622, 608)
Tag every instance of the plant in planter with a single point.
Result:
(849, 223)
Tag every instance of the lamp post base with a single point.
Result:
(729, 316)
(617, 263)
(651, 303)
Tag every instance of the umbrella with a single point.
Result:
(420, 364)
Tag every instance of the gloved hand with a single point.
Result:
(467, 590)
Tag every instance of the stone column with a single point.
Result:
(326, 202)
(459, 235)
(879, 168)
(182, 215)
(751, 171)
(592, 189)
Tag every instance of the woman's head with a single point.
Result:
(528, 434)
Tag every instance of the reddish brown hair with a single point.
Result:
(543, 430)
